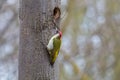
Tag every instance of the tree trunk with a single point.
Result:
(36, 28)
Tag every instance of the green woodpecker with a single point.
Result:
(53, 46)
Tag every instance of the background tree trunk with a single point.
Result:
(35, 31)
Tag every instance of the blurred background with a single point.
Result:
(90, 44)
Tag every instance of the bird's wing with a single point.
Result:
(56, 45)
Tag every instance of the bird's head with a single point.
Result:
(60, 34)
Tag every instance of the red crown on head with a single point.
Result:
(60, 33)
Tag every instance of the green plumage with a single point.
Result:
(55, 50)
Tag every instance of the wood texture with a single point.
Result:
(36, 28)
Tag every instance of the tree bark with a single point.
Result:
(36, 28)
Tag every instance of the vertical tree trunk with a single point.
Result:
(36, 28)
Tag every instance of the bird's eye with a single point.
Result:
(57, 31)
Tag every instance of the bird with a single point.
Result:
(53, 46)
